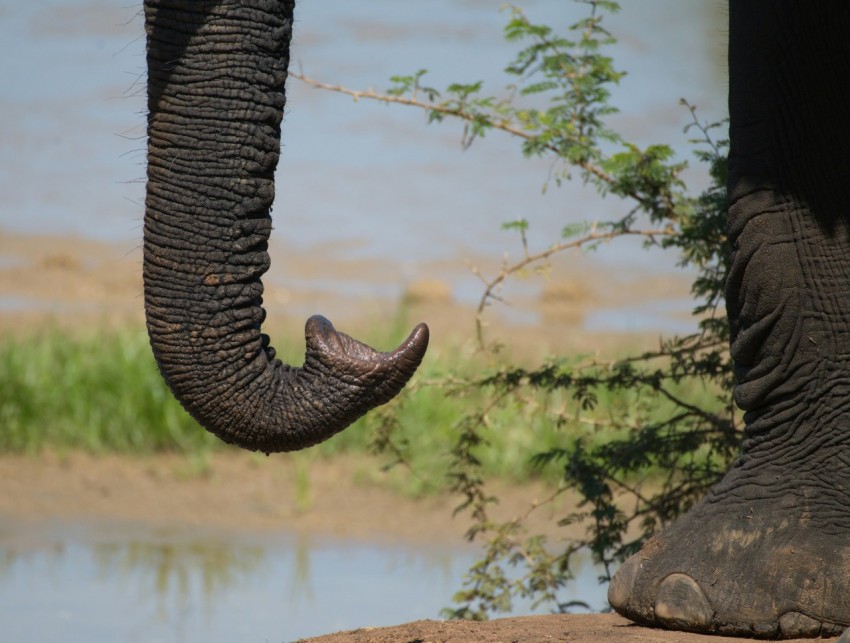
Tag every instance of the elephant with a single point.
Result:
(767, 552)
(216, 74)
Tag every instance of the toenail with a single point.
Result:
(621, 586)
(798, 625)
(681, 604)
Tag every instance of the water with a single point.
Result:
(73, 103)
(128, 582)
(663, 314)
(361, 180)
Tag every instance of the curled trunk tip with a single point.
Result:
(287, 408)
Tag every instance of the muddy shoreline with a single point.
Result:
(74, 283)
(341, 497)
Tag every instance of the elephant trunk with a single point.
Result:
(216, 74)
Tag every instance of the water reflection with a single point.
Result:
(170, 570)
(104, 581)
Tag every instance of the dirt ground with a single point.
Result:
(586, 628)
(77, 283)
(71, 283)
(340, 497)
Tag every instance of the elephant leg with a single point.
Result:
(216, 74)
(767, 552)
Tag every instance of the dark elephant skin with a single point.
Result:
(767, 552)
(216, 74)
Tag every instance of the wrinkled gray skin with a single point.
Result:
(767, 552)
(216, 73)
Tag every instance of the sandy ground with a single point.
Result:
(75, 283)
(71, 282)
(340, 497)
(591, 628)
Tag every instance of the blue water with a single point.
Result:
(664, 315)
(74, 582)
(72, 98)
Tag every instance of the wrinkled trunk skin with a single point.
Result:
(767, 552)
(216, 73)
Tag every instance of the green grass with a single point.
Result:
(102, 392)
(98, 392)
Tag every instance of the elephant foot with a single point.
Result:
(746, 561)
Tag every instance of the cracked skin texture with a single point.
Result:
(767, 553)
(216, 75)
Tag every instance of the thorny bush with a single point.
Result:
(634, 469)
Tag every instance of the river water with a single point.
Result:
(365, 179)
(96, 581)
(361, 180)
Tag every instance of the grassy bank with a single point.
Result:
(101, 392)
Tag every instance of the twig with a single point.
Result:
(508, 270)
(503, 124)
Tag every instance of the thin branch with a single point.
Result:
(508, 270)
(506, 126)
(503, 124)
(413, 102)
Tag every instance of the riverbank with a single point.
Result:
(73, 283)
(340, 497)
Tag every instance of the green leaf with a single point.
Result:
(574, 230)
(519, 224)
(464, 90)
